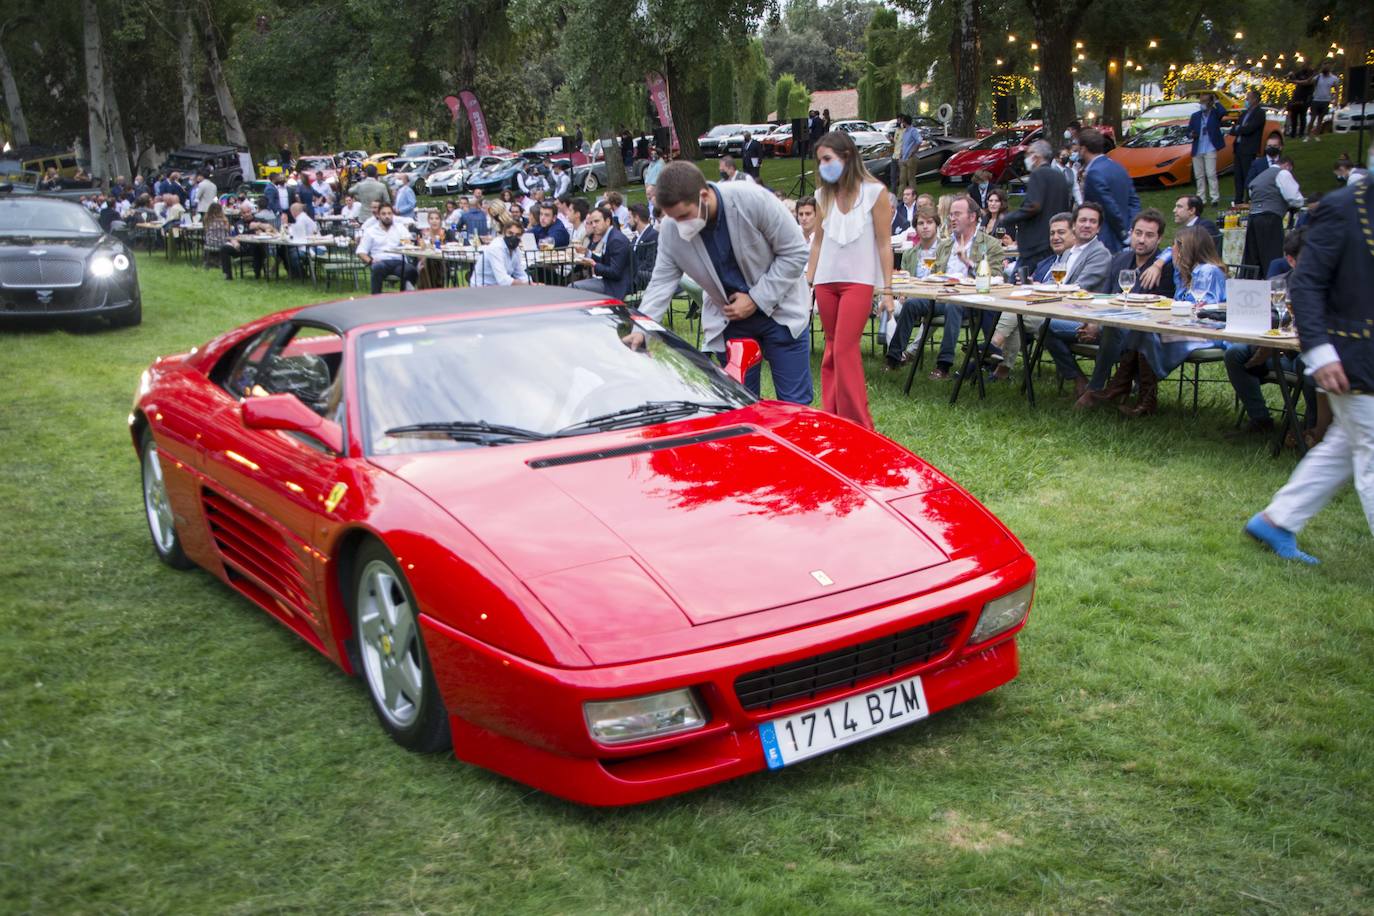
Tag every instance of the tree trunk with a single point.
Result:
(233, 130)
(1114, 66)
(686, 137)
(1056, 25)
(615, 165)
(186, 68)
(96, 125)
(18, 125)
(119, 146)
(964, 49)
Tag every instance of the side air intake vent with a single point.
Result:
(653, 445)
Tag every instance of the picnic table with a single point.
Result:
(1102, 309)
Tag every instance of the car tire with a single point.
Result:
(128, 317)
(391, 653)
(157, 508)
(591, 185)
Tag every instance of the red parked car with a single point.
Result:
(589, 559)
(999, 153)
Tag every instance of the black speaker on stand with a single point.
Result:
(1359, 86)
(569, 144)
(801, 144)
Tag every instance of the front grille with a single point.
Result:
(28, 301)
(810, 677)
(42, 272)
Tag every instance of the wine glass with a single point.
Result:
(1278, 299)
(1058, 272)
(1126, 280)
(928, 261)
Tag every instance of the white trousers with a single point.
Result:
(1205, 177)
(1346, 451)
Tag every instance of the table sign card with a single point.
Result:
(1247, 306)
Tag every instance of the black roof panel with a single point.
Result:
(347, 314)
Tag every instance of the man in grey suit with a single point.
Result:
(1087, 262)
(738, 242)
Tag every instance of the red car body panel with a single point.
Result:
(543, 587)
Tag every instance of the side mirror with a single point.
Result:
(286, 412)
(744, 355)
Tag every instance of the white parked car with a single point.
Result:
(864, 134)
(453, 180)
(1348, 117)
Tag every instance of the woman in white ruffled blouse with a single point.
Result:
(851, 258)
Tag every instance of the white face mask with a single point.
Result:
(689, 229)
(1068, 134)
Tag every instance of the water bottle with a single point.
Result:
(983, 282)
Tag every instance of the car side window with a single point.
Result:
(238, 371)
(306, 364)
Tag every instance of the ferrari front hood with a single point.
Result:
(726, 521)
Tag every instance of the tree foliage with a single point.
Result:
(880, 88)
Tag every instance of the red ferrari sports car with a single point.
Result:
(549, 532)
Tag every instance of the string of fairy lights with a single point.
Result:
(1265, 73)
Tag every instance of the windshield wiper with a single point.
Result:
(655, 410)
(469, 431)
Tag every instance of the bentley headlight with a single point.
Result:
(101, 266)
(121, 261)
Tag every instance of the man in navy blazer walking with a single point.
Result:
(1106, 183)
(1247, 132)
(1334, 314)
(1204, 129)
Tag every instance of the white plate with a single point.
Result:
(806, 734)
(1055, 288)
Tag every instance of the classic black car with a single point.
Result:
(55, 262)
(226, 168)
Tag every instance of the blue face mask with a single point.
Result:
(831, 171)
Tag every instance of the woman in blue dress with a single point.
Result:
(1199, 278)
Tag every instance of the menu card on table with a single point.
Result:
(1247, 306)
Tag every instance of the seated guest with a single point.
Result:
(1086, 262)
(1140, 254)
(606, 255)
(433, 235)
(173, 211)
(517, 213)
(250, 222)
(376, 249)
(616, 201)
(644, 250)
(547, 227)
(958, 255)
(1188, 212)
(912, 310)
(301, 229)
(904, 213)
(451, 214)
(1248, 366)
(1199, 278)
(351, 209)
(324, 195)
(806, 217)
(992, 222)
(217, 239)
(577, 215)
(501, 262)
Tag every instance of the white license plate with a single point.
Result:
(956, 179)
(815, 731)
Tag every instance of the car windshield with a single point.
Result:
(413, 149)
(541, 372)
(1172, 110)
(315, 163)
(1006, 138)
(724, 130)
(183, 163)
(37, 216)
(1160, 135)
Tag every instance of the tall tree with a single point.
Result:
(965, 51)
(723, 90)
(880, 88)
(1056, 27)
(19, 127)
(98, 126)
(233, 129)
(186, 72)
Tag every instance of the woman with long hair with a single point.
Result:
(217, 238)
(992, 221)
(851, 258)
(1199, 278)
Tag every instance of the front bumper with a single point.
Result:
(525, 720)
(93, 298)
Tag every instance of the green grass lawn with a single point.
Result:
(1190, 731)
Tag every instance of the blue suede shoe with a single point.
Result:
(1281, 541)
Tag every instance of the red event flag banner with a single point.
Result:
(481, 140)
(658, 91)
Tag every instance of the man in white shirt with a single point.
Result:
(206, 194)
(301, 228)
(351, 209)
(324, 194)
(376, 249)
(1273, 193)
(501, 262)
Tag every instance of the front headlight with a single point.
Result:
(1001, 614)
(121, 261)
(652, 716)
(101, 266)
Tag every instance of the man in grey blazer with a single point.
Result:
(738, 242)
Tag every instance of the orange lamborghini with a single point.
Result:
(1162, 154)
